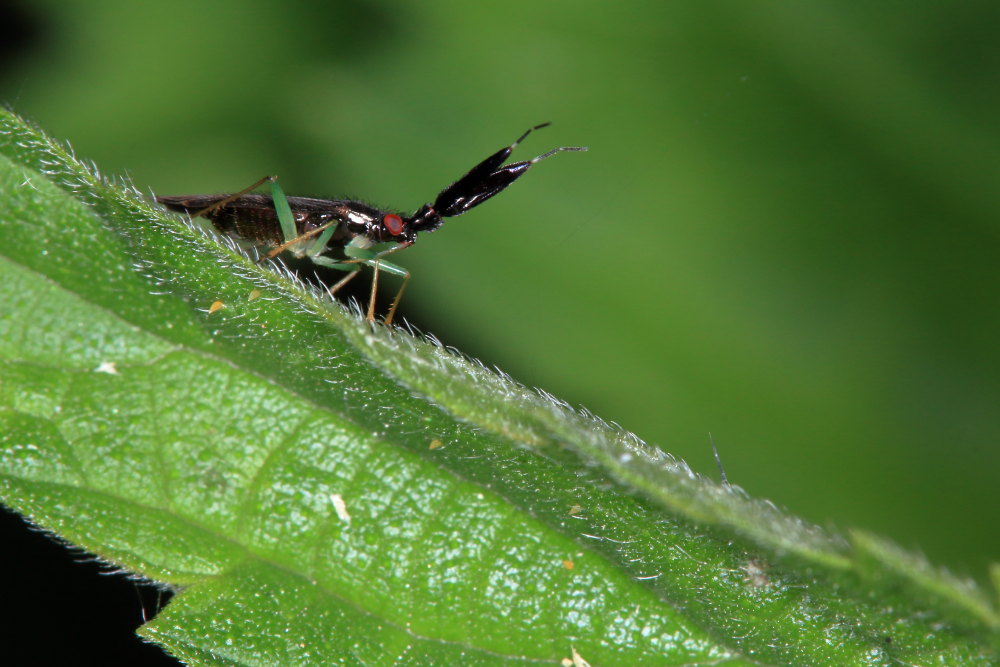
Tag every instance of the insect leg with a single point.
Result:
(231, 198)
(371, 297)
(352, 272)
(289, 231)
(374, 260)
(396, 270)
(399, 295)
(284, 211)
(325, 231)
(379, 265)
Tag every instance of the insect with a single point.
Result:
(342, 233)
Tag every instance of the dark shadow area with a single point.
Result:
(61, 607)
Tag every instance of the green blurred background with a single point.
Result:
(785, 232)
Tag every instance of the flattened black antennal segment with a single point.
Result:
(449, 204)
(488, 178)
(453, 196)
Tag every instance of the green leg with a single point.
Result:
(359, 255)
(393, 269)
(373, 259)
(288, 229)
(284, 211)
(290, 232)
(399, 271)
(319, 245)
(352, 272)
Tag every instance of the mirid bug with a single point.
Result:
(342, 233)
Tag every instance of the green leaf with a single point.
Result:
(325, 491)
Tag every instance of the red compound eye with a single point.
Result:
(393, 224)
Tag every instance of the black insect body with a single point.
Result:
(339, 233)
